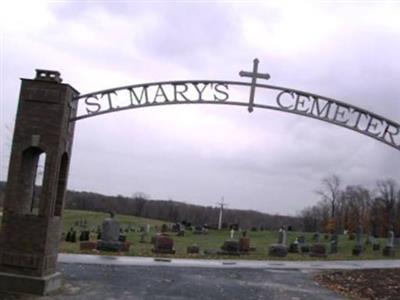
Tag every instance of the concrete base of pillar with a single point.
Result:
(15, 283)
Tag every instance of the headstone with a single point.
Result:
(84, 235)
(302, 244)
(193, 249)
(73, 237)
(358, 247)
(396, 243)
(244, 244)
(230, 247)
(304, 248)
(232, 233)
(370, 240)
(68, 236)
(163, 245)
(359, 235)
(376, 246)
(110, 235)
(181, 232)
(110, 229)
(282, 237)
(277, 250)
(212, 252)
(280, 249)
(334, 243)
(143, 237)
(164, 228)
(294, 247)
(198, 230)
(389, 250)
(318, 250)
(86, 245)
(317, 237)
(390, 241)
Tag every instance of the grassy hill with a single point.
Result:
(213, 240)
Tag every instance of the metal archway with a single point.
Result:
(227, 92)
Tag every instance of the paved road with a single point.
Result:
(93, 281)
(116, 277)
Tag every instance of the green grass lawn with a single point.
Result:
(213, 240)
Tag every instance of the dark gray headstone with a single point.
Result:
(231, 247)
(110, 235)
(396, 242)
(110, 230)
(193, 249)
(318, 250)
(277, 250)
(358, 248)
(317, 237)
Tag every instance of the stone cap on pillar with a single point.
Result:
(48, 75)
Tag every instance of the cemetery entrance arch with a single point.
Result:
(47, 112)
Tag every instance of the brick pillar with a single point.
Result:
(29, 235)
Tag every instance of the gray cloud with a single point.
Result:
(267, 160)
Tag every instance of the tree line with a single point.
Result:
(376, 209)
(173, 211)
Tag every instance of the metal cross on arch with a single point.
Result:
(253, 75)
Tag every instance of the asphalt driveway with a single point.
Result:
(103, 281)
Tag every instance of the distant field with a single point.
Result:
(260, 240)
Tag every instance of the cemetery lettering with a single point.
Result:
(156, 94)
(339, 113)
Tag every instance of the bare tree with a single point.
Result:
(330, 192)
(358, 206)
(387, 191)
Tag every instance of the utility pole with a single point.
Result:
(221, 208)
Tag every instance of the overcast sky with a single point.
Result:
(268, 161)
